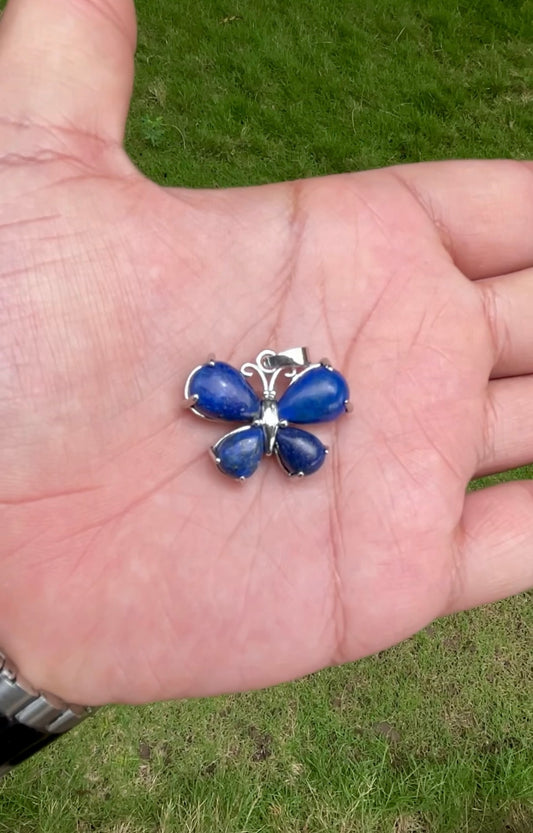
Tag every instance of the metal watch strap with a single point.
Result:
(30, 719)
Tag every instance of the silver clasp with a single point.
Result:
(294, 357)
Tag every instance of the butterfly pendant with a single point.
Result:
(315, 393)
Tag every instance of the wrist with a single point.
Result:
(30, 719)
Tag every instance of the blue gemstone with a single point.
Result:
(223, 393)
(299, 451)
(239, 453)
(318, 395)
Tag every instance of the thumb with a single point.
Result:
(68, 64)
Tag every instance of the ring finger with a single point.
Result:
(508, 425)
(508, 300)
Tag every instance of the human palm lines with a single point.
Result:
(164, 539)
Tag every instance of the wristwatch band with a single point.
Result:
(29, 719)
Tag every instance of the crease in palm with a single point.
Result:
(125, 503)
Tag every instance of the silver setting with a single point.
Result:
(295, 357)
(190, 400)
(214, 448)
(291, 474)
(297, 474)
(310, 367)
(269, 366)
(269, 422)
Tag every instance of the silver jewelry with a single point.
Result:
(30, 719)
(315, 393)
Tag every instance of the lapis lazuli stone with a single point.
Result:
(318, 395)
(239, 453)
(224, 393)
(299, 451)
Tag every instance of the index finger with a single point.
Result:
(483, 210)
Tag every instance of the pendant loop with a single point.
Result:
(294, 357)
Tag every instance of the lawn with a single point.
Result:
(236, 92)
(434, 735)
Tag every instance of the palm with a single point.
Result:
(150, 575)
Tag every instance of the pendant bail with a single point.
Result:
(293, 357)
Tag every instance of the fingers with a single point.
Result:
(68, 63)
(495, 557)
(509, 425)
(484, 210)
(508, 300)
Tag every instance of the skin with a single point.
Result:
(131, 570)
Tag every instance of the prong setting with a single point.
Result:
(190, 401)
(272, 416)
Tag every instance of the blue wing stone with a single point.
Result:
(238, 454)
(318, 395)
(299, 451)
(223, 393)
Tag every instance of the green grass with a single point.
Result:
(233, 93)
(435, 735)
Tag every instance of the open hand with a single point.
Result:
(130, 568)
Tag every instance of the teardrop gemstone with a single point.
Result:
(318, 395)
(223, 393)
(238, 454)
(299, 451)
